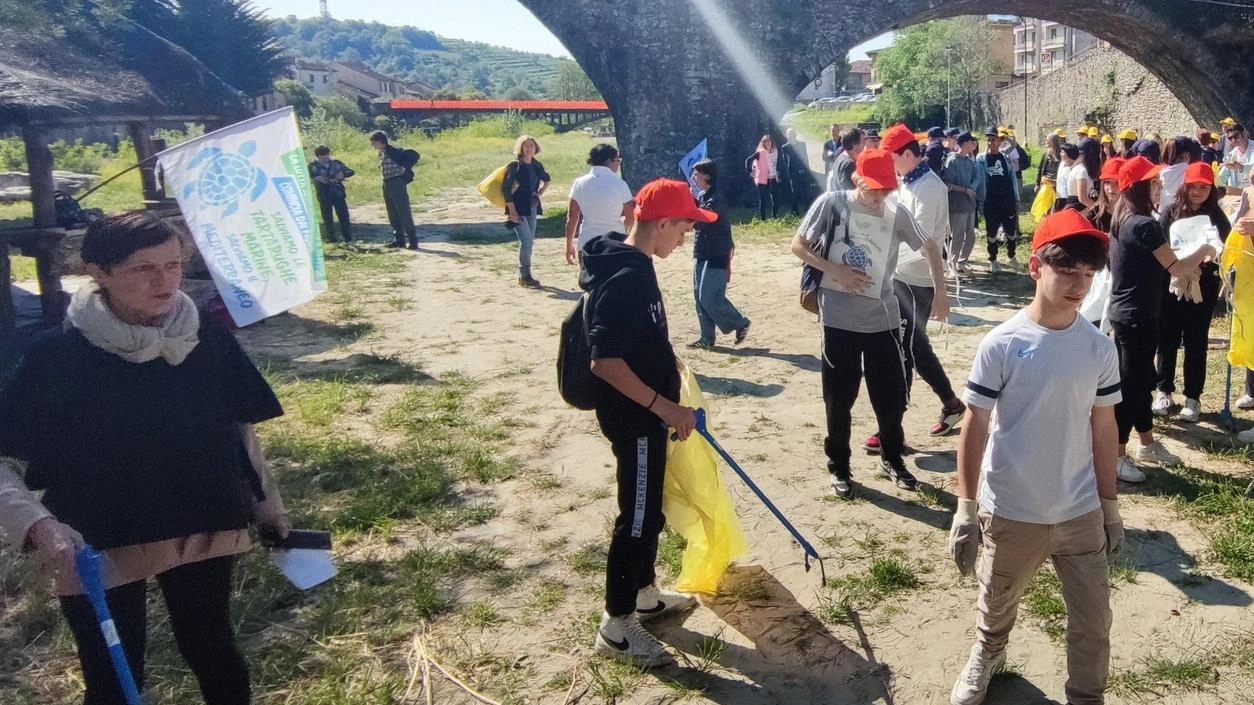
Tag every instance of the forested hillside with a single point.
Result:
(413, 54)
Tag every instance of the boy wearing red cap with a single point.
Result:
(859, 313)
(638, 402)
(1038, 447)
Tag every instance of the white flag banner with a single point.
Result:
(247, 199)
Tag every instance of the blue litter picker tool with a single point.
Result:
(88, 563)
(805, 545)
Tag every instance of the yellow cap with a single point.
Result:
(1227, 121)
(1093, 131)
(1128, 134)
(1107, 139)
(1214, 136)
(1060, 132)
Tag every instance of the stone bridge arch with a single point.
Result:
(669, 69)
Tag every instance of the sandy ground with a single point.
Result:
(469, 316)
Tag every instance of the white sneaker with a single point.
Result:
(1162, 404)
(1245, 402)
(1156, 452)
(624, 639)
(972, 684)
(1190, 412)
(1246, 436)
(994, 267)
(652, 603)
(1128, 472)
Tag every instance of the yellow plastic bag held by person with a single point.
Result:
(1239, 253)
(1045, 197)
(696, 504)
(490, 187)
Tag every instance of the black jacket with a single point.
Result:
(714, 240)
(406, 158)
(794, 164)
(627, 321)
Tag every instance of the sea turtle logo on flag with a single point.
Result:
(226, 177)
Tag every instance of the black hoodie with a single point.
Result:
(628, 321)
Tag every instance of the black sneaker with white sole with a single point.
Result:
(896, 471)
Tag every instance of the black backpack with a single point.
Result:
(575, 381)
(68, 212)
(1025, 159)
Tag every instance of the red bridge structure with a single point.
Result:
(563, 115)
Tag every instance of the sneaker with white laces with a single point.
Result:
(1245, 402)
(949, 418)
(1156, 452)
(896, 471)
(1127, 471)
(625, 639)
(972, 683)
(1190, 412)
(652, 603)
(1162, 404)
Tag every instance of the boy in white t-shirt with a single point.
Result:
(1040, 427)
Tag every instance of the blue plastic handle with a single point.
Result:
(88, 563)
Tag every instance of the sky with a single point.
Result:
(501, 22)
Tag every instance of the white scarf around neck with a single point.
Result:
(173, 340)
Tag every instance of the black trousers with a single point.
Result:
(802, 189)
(846, 355)
(770, 193)
(641, 465)
(331, 204)
(197, 597)
(1003, 216)
(916, 309)
(1187, 322)
(400, 216)
(1137, 376)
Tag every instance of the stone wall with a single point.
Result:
(1103, 81)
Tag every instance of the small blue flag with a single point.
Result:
(685, 165)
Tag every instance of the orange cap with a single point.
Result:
(1199, 173)
(667, 198)
(875, 166)
(1065, 223)
(1136, 170)
(896, 137)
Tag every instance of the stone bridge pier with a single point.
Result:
(676, 71)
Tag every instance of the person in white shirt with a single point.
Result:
(919, 280)
(1038, 448)
(1238, 160)
(600, 202)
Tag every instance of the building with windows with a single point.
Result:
(1041, 46)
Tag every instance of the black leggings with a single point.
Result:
(197, 597)
(1005, 218)
(845, 356)
(1135, 345)
(772, 193)
(1188, 322)
(641, 465)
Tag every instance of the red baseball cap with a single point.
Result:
(875, 166)
(1110, 170)
(1199, 173)
(667, 198)
(1136, 170)
(1065, 223)
(896, 137)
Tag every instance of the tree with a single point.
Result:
(297, 95)
(517, 93)
(571, 83)
(338, 106)
(928, 61)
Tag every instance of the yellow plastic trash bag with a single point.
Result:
(1239, 253)
(490, 187)
(696, 504)
(1045, 197)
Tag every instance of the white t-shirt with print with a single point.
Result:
(1041, 386)
(600, 194)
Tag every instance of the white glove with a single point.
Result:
(964, 536)
(1113, 524)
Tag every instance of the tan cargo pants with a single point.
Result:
(1013, 552)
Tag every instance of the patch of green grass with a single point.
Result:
(709, 649)
(319, 402)
(1186, 673)
(481, 615)
(547, 595)
(588, 560)
(886, 576)
(400, 303)
(1043, 600)
(1219, 506)
(670, 551)
(815, 124)
(22, 268)
(611, 680)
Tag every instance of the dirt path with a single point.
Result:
(468, 316)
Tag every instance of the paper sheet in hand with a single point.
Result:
(304, 567)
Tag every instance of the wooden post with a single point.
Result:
(143, 150)
(39, 164)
